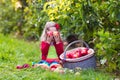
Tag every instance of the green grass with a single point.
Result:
(14, 52)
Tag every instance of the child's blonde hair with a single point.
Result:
(47, 25)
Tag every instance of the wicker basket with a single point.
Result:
(85, 62)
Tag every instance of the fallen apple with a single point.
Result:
(55, 66)
(52, 69)
(19, 67)
(26, 66)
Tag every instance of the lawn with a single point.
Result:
(15, 51)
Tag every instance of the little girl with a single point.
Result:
(51, 36)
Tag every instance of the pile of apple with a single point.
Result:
(77, 53)
(51, 33)
(23, 66)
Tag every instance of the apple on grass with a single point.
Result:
(55, 66)
(19, 67)
(26, 66)
(52, 69)
(23, 66)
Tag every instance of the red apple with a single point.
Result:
(84, 51)
(69, 55)
(26, 66)
(52, 69)
(77, 54)
(50, 33)
(55, 66)
(19, 67)
(55, 33)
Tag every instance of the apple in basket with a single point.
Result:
(50, 33)
(89, 51)
(77, 54)
(55, 33)
(84, 51)
(69, 55)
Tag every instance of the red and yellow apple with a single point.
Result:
(89, 51)
(55, 66)
(49, 33)
(55, 33)
(19, 67)
(84, 51)
(69, 55)
(77, 54)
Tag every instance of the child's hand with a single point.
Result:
(56, 36)
(49, 39)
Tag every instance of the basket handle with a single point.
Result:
(73, 43)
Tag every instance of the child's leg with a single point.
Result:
(44, 49)
(59, 48)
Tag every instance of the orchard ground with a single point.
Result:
(14, 52)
